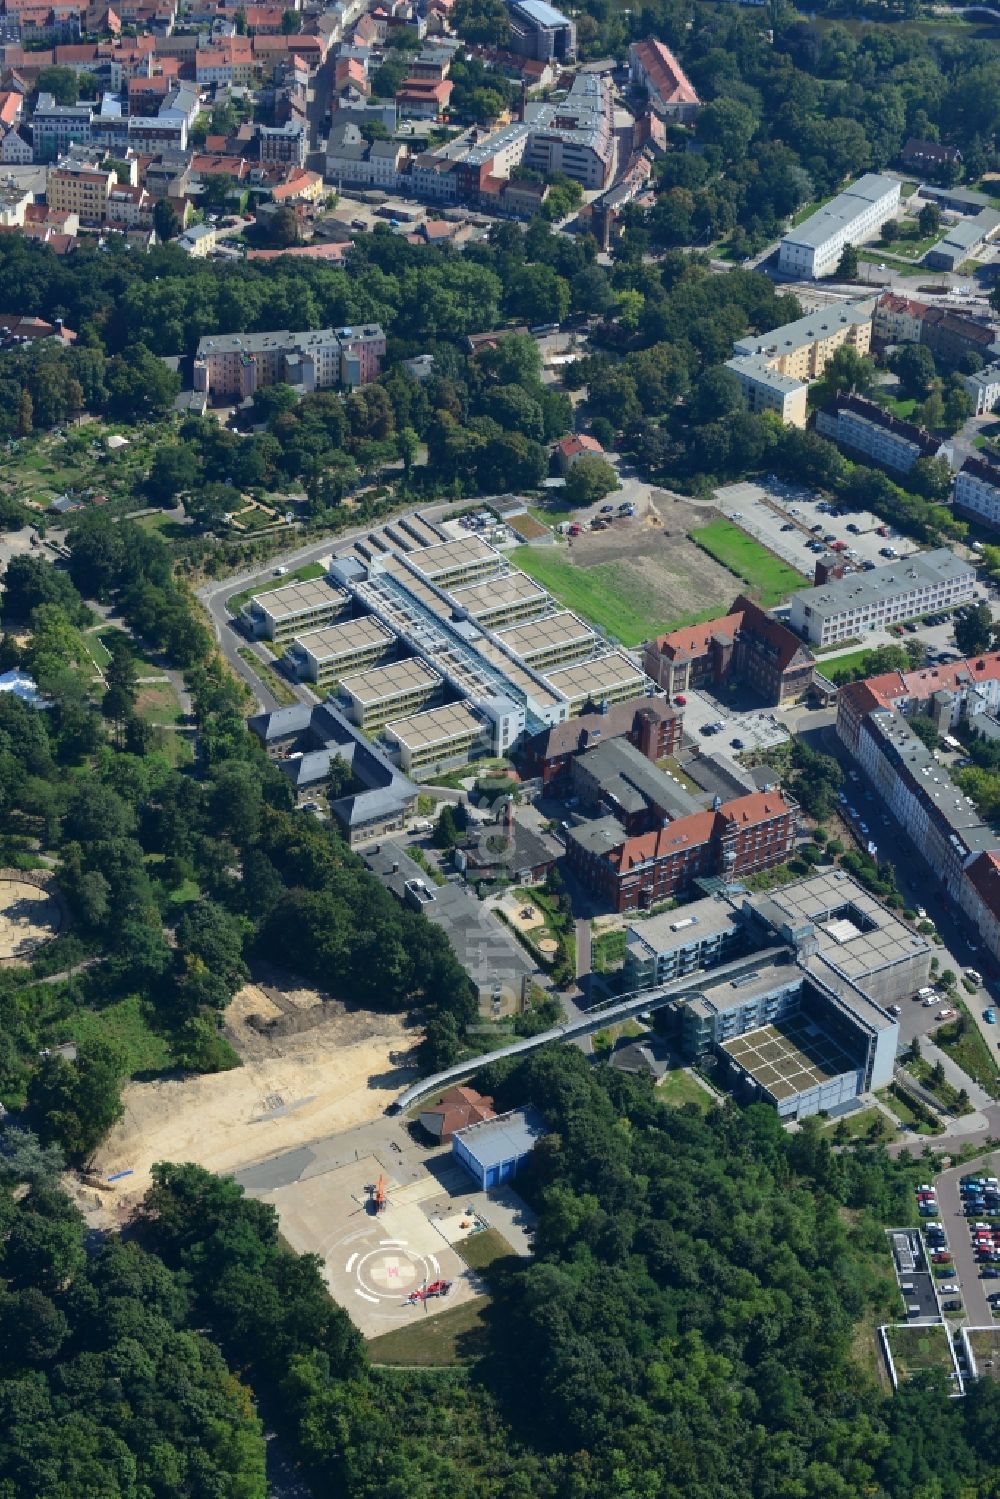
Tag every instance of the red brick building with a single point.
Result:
(653, 725)
(747, 645)
(735, 839)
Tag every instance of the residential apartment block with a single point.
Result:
(80, 187)
(775, 369)
(813, 248)
(285, 143)
(869, 431)
(976, 495)
(984, 389)
(746, 646)
(237, 364)
(951, 693)
(844, 607)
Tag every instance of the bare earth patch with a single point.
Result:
(311, 1068)
(30, 914)
(663, 574)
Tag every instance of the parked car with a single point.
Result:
(948, 1290)
(946, 1014)
(737, 743)
(990, 1016)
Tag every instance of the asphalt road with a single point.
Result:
(956, 1226)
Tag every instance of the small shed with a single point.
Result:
(492, 1152)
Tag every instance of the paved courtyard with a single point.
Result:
(789, 1058)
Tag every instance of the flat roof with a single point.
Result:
(381, 682)
(533, 687)
(513, 588)
(897, 579)
(337, 640)
(841, 210)
(502, 1139)
(592, 678)
(814, 328)
(298, 598)
(436, 726)
(684, 925)
(445, 555)
(720, 995)
(550, 632)
(792, 1056)
(856, 934)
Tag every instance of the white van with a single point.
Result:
(925, 993)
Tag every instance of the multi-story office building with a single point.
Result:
(554, 640)
(283, 613)
(540, 31)
(575, 136)
(237, 364)
(611, 678)
(977, 492)
(702, 934)
(869, 431)
(502, 601)
(984, 389)
(374, 698)
(813, 249)
(852, 605)
(746, 646)
(430, 742)
(56, 127)
(448, 564)
(325, 656)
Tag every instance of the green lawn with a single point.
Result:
(480, 1250)
(125, 1025)
(679, 1088)
(916, 1348)
(897, 1103)
(841, 667)
(272, 679)
(857, 1126)
(876, 257)
(455, 1336)
(265, 584)
(761, 569)
(144, 666)
(903, 409)
(165, 526)
(911, 249)
(968, 1048)
(607, 951)
(605, 594)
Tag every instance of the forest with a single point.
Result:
(176, 876)
(696, 1319)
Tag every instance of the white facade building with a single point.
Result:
(984, 388)
(813, 249)
(977, 491)
(853, 605)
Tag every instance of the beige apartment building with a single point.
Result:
(775, 369)
(81, 188)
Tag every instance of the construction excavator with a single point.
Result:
(379, 1197)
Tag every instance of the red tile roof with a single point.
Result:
(665, 73)
(578, 443)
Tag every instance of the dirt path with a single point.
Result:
(314, 1070)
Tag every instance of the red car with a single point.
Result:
(941, 1259)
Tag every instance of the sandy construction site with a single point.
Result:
(311, 1068)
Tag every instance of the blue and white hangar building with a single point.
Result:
(493, 1151)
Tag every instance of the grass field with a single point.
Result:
(904, 409)
(456, 1336)
(986, 1351)
(607, 951)
(124, 1025)
(840, 668)
(264, 585)
(916, 1348)
(272, 679)
(165, 526)
(679, 1088)
(773, 579)
(605, 594)
(480, 1251)
(968, 1048)
(858, 1125)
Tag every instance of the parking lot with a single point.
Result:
(973, 1270)
(756, 728)
(785, 518)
